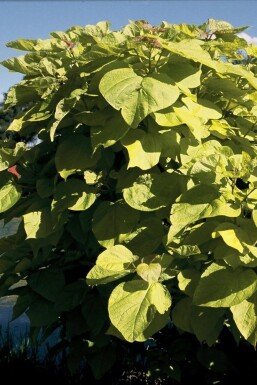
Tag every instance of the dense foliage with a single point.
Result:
(137, 205)
(6, 118)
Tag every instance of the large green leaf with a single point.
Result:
(170, 144)
(102, 361)
(37, 44)
(196, 115)
(22, 303)
(149, 272)
(209, 169)
(166, 117)
(110, 132)
(201, 201)
(192, 50)
(151, 192)
(203, 109)
(111, 264)
(139, 309)
(194, 123)
(38, 224)
(237, 285)
(144, 149)
(141, 241)
(47, 282)
(36, 113)
(113, 222)
(19, 64)
(62, 109)
(95, 312)
(240, 71)
(192, 152)
(188, 280)
(8, 156)
(184, 74)
(10, 193)
(245, 317)
(240, 166)
(45, 187)
(181, 315)
(234, 236)
(226, 87)
(205, 323)
(71, 296)
(137, 96)
(74, 194)
(42, 313)
(222, 27)
(74, 154)
(21, 94)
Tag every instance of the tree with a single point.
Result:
(138, 206)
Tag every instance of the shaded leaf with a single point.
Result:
(122, 218)
(74, 194)
(73, 155)
(245, 317)
(237, 285)
(47, 282)
(201, 201)
(151, 192)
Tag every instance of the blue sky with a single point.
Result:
(36, 19)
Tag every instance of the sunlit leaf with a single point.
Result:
(134, 308)
(136, 96)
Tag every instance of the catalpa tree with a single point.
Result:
(137, 205)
